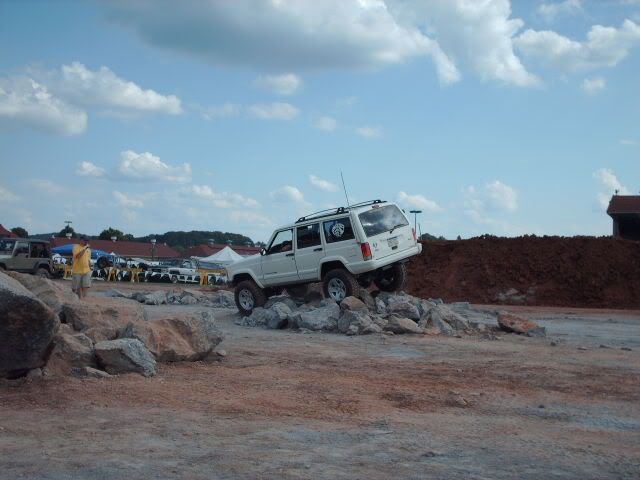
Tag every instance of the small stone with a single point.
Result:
(553, 344)
(626, 349)
(604, 346)
(89, 372)
(582, 348)
(541, 406)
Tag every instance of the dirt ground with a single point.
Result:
(289, 405)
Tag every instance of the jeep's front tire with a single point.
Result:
(339, 284)
(393, 279)
(43, 273)
(249, 296)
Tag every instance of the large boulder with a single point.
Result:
(353, 303)
(259, 317)
(323, 318)
(402, 325)
(71, 351)
(404, 309)
(125, 355)
(512, 323)
(280, 319)
(159, 297)
(442, 319)
(51, 293)
(185, 338)
(222, 299)
(288, 301)
(27, 328)
(102, 318)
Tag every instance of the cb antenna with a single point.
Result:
(345, 189)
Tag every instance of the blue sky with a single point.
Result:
(490, 116)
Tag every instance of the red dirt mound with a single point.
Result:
(561, 271)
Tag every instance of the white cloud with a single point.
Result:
(610, 184)
(274, 111)
(369, 132)
(628, 142)
(502, 197)
(46, 186)
(104, 89)
(591, 86)
(223, 199)
(27, 103)
(604, 47)
(148, 167)
(418, 201)
(288, 194)
(254, 219)
(322, 184)
(227, 109)
(88, 169)
(549, 11)
(7, 196)
(327, 124)
(285, 84)
(127, 201)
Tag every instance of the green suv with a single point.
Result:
(26, 255)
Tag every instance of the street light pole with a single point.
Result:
(415, 219)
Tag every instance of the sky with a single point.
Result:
(491, 116)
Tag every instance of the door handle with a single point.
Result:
(289, 254)
(317, 249)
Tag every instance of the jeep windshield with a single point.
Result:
(382, 219)
(6, 247)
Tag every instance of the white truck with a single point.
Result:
(346, 248)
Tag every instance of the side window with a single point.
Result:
(21, 248)
(338, 230)
(282, 242)
(308, 236)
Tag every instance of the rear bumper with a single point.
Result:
(366, 266)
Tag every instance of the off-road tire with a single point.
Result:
(248, 287)
(351, 287)
(43, 273)
(393, 279)
(103, 262)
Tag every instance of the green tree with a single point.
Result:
(65, 230)
(21, 232)
(114, 232)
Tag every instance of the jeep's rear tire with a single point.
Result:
(393, 279)
(249, 296)
(43, 273)
(339, 284)
(103, 262)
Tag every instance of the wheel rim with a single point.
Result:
(337, 289)
(245, 297)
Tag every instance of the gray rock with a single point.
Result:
(27, 329)
(323, 318)
(115, 293)
(539, 332)
(435, 301)
(381, 307)
(159, 297)
(126, 355)
(281, 316)
(222, 299)
(435, 325)
(404, 309)
(188, 300)
(440, 315)
(353, 303)
(402, 325)
(357, 322)
(286, 300)
(89, 372)
(47, 291)
(368, 299)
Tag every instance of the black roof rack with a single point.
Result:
(336, 211)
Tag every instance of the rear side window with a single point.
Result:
(308, 236)
(23, 247)
(338, 230)
(382, 219)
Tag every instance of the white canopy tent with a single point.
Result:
(226, 256)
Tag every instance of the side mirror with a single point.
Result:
(263, 251)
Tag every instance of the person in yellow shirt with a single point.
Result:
(81, 270)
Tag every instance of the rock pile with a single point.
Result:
(386, 312)
(218, 299)
(106, 336)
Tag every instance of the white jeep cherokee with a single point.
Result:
(345, 248)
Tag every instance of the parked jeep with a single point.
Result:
(345, 248)
(26, 255)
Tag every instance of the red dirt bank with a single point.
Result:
(560, 271)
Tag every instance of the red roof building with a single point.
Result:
(142, 250)
(205, 250)
(6, 233)
(625, 212)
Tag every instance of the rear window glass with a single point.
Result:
(338, 230)
(309, 236)
(382, 219)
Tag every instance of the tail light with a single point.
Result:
(413, 230)
(366, 251)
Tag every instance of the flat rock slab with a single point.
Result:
(512, 323)
(125, 355)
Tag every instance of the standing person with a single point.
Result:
(81, 269)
